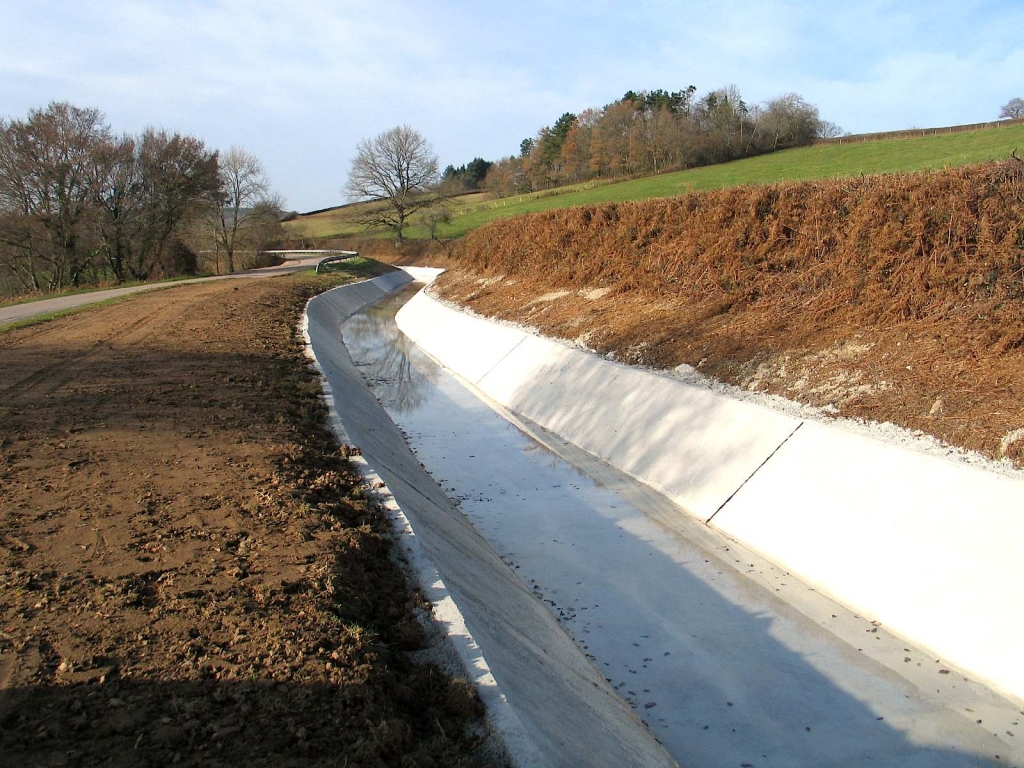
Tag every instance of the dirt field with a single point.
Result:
(187, 574)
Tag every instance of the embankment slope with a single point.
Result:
(889, 298)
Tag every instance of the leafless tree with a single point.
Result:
(46, 193)
(79, 204)
(1013, 108)
(788, 121)
(829, 130)
(180, 178)
(262, 227)
(245, 188)
(147, 189)
(437, 214)
(397, 172)
(116, 182)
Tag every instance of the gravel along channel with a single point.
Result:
(727, 659)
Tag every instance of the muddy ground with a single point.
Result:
(188, 575)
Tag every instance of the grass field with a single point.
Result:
(820, 161)
(342, 221)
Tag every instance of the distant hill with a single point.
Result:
(911, 150)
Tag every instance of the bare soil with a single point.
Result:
(188, 574)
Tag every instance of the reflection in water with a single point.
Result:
(393, 367)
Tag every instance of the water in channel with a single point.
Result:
(728, 660)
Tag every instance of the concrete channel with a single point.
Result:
(603, 623)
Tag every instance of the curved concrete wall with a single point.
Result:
(928, 547)
(694, 446)
(549, 703)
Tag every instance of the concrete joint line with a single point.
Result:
(499, 362)
(751, 477)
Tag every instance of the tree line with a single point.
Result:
(650, 132)
(81, 205)
(645, 132)
(468, 177)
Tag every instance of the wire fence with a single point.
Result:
(914, 132)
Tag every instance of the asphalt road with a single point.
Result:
(31, 309)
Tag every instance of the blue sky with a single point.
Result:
(300, 83)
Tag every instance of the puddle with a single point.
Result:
(722, 655)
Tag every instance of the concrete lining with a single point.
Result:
(694, 446)
(927, 546)
(548, 701)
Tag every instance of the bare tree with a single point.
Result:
(397, 170)
(79, 204)
(245, 187)
(46, 193)
(788, 121)
(829, 130)
(147, 190)
(117, 178)
(1013, 108)
(262, 227)
(437, 214)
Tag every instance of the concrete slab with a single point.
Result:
(930, 548)
(420, 316)
(650, 594)
(393, 280)
(422, 274)
(331, 308)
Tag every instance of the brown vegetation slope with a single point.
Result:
(892, 298)
(188, 574)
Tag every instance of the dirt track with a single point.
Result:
(187, 574)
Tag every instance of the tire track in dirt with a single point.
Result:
(55, 376)
(14, 668)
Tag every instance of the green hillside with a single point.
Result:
(815, 162)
